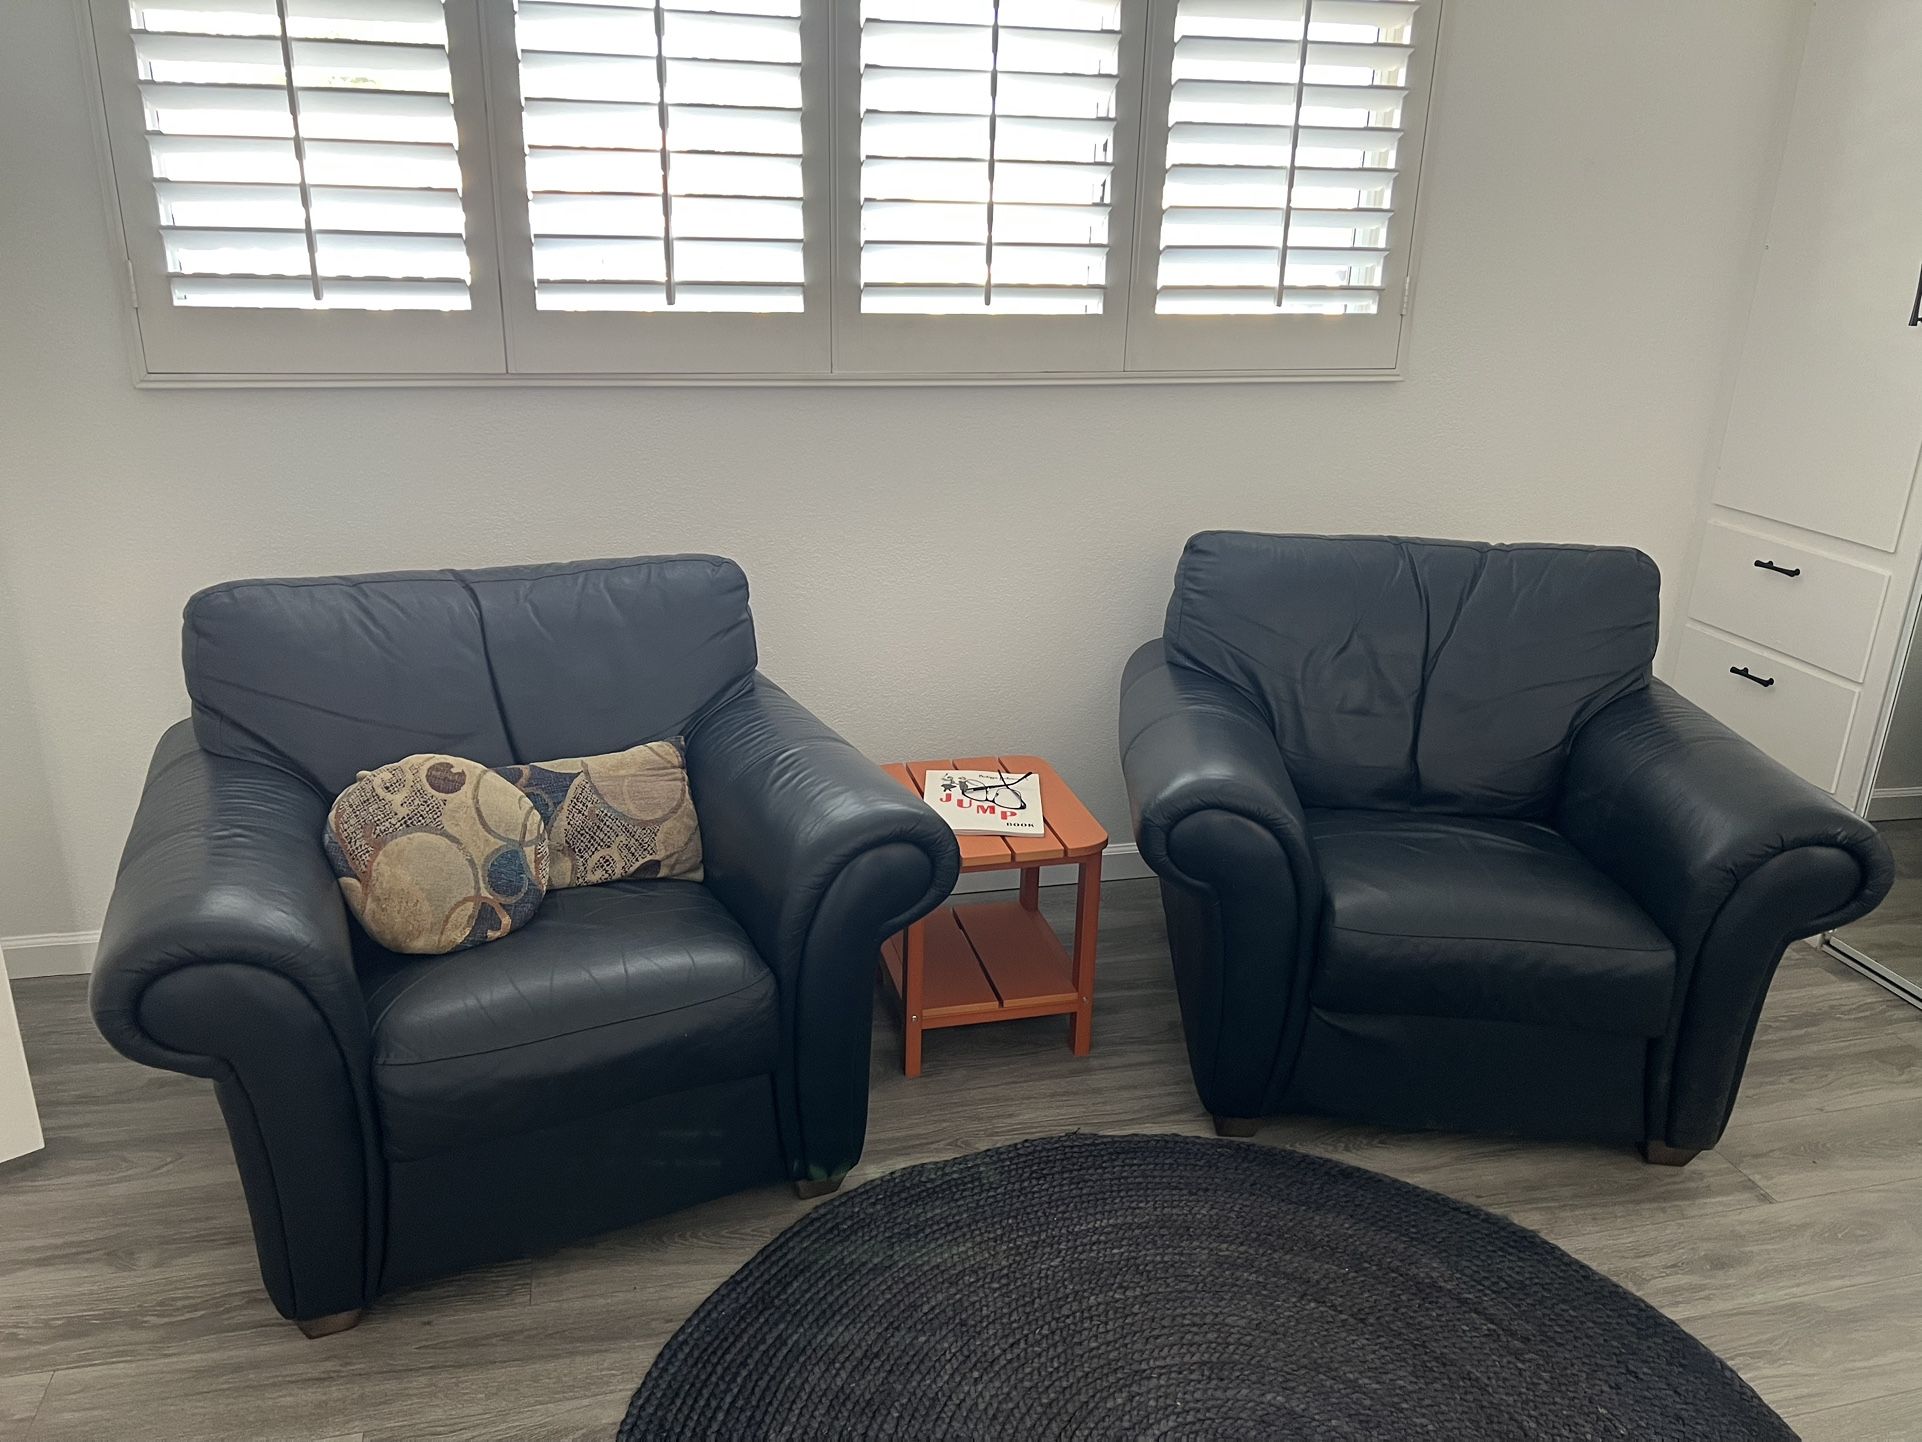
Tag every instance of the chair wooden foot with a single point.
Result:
(328, 1326)
(1661, 1154)
(807, 1191)
(1237, 1126)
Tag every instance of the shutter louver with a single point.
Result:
(987, 133)
(1284, 124)
(663, 145)
(304, 153)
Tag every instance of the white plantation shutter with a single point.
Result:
(665, 164)
(304, 152)
(295, 155)
(663, 153)
(1291, 136)
(987, 155)
(1278, 147)
(988, 221)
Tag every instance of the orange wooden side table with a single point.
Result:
(974, 962)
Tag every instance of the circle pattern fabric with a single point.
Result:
(437, 853)
(626, 814)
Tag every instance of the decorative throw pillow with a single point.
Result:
(624, 814)
(437, 853)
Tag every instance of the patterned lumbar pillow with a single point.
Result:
(610, 817)
(437, 853)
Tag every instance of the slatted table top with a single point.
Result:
(1073, 833)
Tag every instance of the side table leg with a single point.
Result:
(914, 967)
(1087, 923)
(1031, 887)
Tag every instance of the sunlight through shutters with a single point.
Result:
(1284, 126)
(663, 153)
(987, 139)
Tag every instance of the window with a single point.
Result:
(812, 189)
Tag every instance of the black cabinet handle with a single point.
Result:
(1915, 311)
(1748, 675)
(1779, 570)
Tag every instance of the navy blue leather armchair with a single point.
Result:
(638, 1047)
(1437, 852)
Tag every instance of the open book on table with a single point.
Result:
(994, 803)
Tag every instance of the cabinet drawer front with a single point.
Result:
(1802, 719)
(1825, 615)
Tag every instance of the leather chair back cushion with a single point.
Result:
(611, 817)
(1414, 674)
(437, 854)
(332, 676)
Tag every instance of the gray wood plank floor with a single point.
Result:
(1892, 933)
(132, 1308)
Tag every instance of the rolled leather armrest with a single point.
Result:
(1734, 857)
(821, 856)
(225, 954)
(1217, 818)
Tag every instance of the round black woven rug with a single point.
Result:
(1094, 1287)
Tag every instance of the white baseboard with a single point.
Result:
(54, 953)
(1118, 863)
(1895, 803)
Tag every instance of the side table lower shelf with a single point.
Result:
(987, 961)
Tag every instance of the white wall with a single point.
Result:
(1594, 180)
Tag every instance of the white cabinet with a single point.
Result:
(1826, 420)
(1810, 548)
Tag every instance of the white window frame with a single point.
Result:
(504, 340)
(220, 345)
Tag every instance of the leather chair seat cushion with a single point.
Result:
(1481, 918)
(622, 992)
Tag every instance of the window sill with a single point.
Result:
(176, 381)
